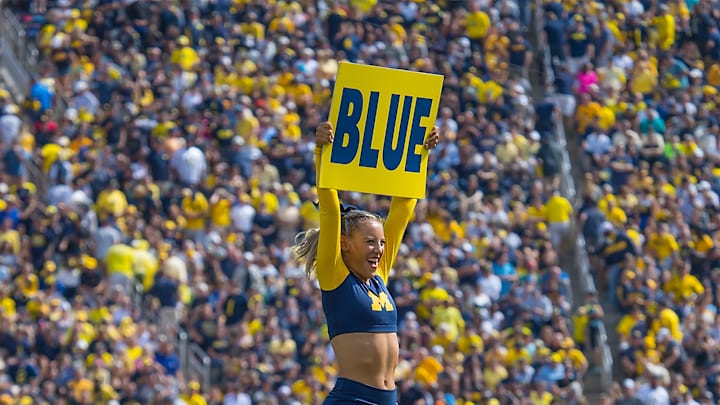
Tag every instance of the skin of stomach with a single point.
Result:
(368, 358)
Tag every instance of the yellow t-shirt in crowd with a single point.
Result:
(111, 202)
(536, 213)
(162, 129)
(49, 154)
(606, 118)
(220, 213)
(682, 287)
(282, 23)
(76, 24)
(617, 216)
(310, 215)
(363, 5)
(119, 259)
(515, 354)
(558, 209)
(626, 324)
(254, 29)
(269, 200)
(12, 237)
(186, 57)
(585, 114)
(644, 81)
(702, 244)
(545, 398)
(477, 24)
(466, 343)
(713, 75)
(665, 28)
(493, 378)
(669, 319)
(195, 209)
(302, 391)
(663, 245)
(194, 399)
(145, 264)
(427, 371)
(79, 387)
(452, 317)
(576, 357)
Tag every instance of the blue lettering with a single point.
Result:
(393, 156)
(368, 155)
(417, 134)
(347, 131)
(351, 105)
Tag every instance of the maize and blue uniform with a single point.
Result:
(351, 305)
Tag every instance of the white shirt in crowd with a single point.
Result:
(598, 144)
(106, 236)
(193, 166)
(60, 193)
(491, 285)
(87, 100)
(10, 125)
(191, 99)
(239, 398)
(653, 396)
(242, 216)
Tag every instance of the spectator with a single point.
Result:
(628, 395)
(10, 125)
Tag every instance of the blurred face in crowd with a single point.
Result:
(363, 247)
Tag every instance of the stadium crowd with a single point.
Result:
(183, 163)
(638, 82)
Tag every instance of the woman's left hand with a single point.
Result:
(324, 134)
(433, 139)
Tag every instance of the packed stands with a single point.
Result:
(637, 82)
(162, 163)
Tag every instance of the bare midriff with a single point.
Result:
(367, 358)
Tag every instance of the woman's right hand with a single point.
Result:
(324, 134)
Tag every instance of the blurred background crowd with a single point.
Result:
(155, 176)
(637, 82)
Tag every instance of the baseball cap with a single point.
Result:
(607, 227)
(629, 383)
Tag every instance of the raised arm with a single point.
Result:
(329, 268)
(401, 210)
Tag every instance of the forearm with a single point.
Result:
(401, 210)
(318, 162)
(402, 207)
(328, 200)
(330, 232)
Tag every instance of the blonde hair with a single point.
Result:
(305, 250)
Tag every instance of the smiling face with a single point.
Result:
(363, 247)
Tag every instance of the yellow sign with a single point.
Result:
(381, 118)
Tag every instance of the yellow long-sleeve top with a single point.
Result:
(350, 303)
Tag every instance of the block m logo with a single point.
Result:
(380, 302)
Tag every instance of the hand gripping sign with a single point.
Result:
(380, 117)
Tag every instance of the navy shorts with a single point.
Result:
(352, 392)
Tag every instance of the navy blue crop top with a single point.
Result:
(356, 306)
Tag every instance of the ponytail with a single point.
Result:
(306, 250)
